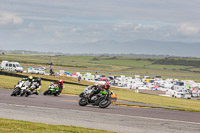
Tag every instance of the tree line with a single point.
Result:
(168, 61)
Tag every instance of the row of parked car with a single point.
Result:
(37, 70)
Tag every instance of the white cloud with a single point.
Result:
(10, 18)
(91, 40)
(189, 29)
(167, 35)
(58, 34)
(122, 26)
(135, 27)
(37, 18)
(146, 27)
(74, 29)
(31, 25)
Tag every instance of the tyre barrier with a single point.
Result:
(45, 79)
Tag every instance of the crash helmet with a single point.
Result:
(96, 84)
(38, 79)
(60, 81)
(107, 85)
(30, 77)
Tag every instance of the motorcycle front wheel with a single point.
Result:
(104, 103)
(56, 94)
(15, 92)
(23, 92)
(27, 94)
(81, 95)
(83, 101)
(46, 92)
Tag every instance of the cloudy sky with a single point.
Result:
(26, 24)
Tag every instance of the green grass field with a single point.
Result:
(18, 126)
(144, 66)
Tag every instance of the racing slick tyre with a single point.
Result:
(105, 103)
(15, 92)
(27, 94)
(83, 101)
(46, 92)
(22, 94)
(81, 95)
(55, 94)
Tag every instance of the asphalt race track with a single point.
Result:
(64, 110)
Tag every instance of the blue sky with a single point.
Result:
(27, 23)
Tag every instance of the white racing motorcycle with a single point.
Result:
(20, 87)
(29, 91)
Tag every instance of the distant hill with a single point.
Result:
(145, 47)
(132, 48)
(3, 52)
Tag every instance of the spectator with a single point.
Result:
(51, 71)
(79, 79)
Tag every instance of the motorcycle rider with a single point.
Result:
(29, 79)
(36, 82)
(51, 71)
(60, 85)
(37, 85)
(95, 90)
(106, 86)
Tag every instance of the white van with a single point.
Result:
(11, 66)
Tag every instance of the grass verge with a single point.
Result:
(8, 82)
(18, 126)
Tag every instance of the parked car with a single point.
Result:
(36, 70)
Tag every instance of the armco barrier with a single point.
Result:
(13, 74)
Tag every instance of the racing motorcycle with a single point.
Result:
(19, 88)
(52, 90)
(30, 91)
(102, 99)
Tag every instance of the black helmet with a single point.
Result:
(38, 79)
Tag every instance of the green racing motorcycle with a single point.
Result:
(52, 90)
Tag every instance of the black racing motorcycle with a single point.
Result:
(102, 99)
